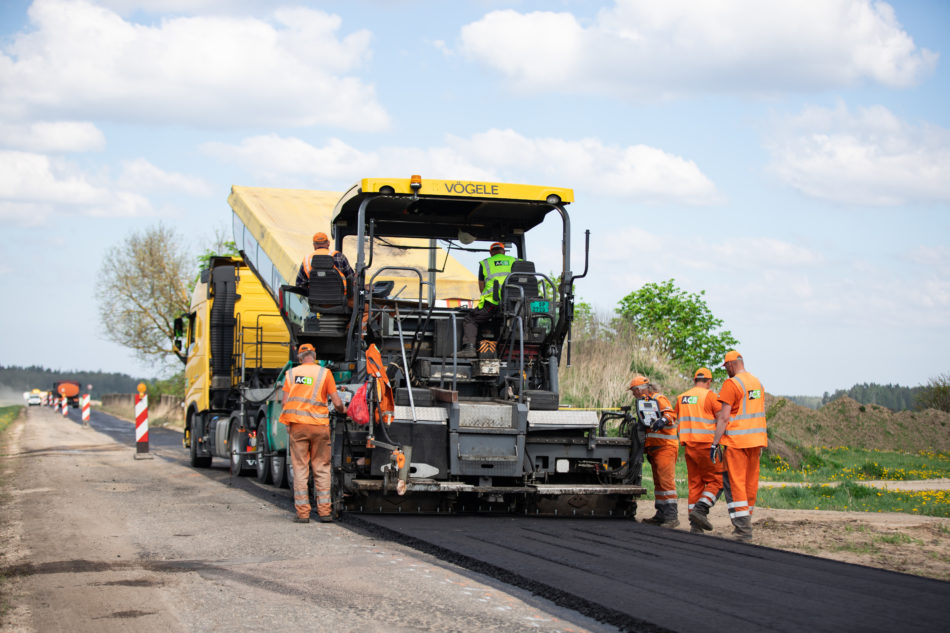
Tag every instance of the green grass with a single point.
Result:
(853, 497)
(8, 415)
(841, 463)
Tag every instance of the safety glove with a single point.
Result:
(715, 453)
(658, 424)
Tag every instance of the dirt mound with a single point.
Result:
(846, 422)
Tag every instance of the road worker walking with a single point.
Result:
(307, 388)
(741, 431)
(661, 448)
(695, 411)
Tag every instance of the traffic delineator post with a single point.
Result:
(65, 407)
(85, 404)
(141, 423)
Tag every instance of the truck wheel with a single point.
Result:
(197, 461)
(237, 443)
(263, 462)
(278, 472)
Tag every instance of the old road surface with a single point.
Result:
(107, 543)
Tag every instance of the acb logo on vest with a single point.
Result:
(690, 400)
(755, 394)
(303, 380)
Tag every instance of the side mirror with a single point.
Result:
(179, 327)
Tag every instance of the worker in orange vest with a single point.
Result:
(307, 388)
(661, 448)
(695, 411)
(741, 431)
(321, 246)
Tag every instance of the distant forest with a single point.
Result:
(36, 377)
(894, 397)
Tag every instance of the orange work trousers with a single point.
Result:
(310, 449)
(663, 462)
(705, 477)
(742, 479)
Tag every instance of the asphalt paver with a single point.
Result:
(646, 578)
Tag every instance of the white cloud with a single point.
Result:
(179, 7)
(651, 49)
(868, 157)
(78, 59)
(638, 172)
(141, 175)
(52, 137)
(33, 186)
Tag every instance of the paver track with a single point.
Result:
(644, 578)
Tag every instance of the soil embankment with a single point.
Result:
(846, 422)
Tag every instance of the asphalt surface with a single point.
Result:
(645, 578)
(94, 540)
(619, 573)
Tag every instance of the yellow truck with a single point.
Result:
(460, 433)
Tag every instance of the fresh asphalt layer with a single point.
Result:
(645, 578)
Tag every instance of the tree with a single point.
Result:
(682, 324)
(935, 394)
(143, 286)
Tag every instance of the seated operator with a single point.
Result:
(492, 273)
(321, 246)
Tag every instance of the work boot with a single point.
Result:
(326, 519)
(467, 351)
(670, 516)
(743, 529)
(301, 519)
(656, 519)
(695, 530)
(699, 516)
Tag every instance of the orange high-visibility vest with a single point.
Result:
(307, 261)
(666, 435)
(302, 388)
(695, 416)
(747, 427)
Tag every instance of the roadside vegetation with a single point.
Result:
(8, 415)
(853, 497)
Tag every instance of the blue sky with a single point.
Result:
(790, 158)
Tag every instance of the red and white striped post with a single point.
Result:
(65, 406)
(141, 421)
(84, 403)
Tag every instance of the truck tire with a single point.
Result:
(263, 447)
(197, 461)
(278, 470)
(237, 443)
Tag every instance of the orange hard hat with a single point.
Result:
(703, 372)
(639, 381)
(306, 347)
(731, 356)
(320, 237)
(496, 246)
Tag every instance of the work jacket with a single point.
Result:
(696, 416)
(308, 262)
(667, 435)
(495, 270)
(746, 427)
(305, 395)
